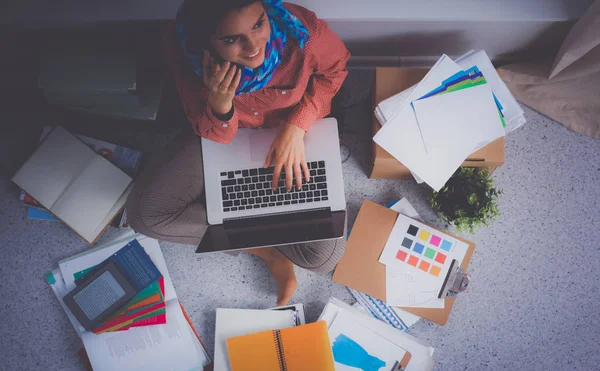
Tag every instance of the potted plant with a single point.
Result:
(468, 200)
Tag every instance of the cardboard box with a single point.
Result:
(392, 80)
(361, 270)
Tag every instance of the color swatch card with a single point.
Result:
(356, 347)
(405, 289)
(422, 255)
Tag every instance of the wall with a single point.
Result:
(397, 32)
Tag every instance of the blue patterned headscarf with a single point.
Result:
(283, 25)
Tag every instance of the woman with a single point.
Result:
(242, 63)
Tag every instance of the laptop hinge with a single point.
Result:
(277, 218)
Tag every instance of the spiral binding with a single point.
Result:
(279, 349)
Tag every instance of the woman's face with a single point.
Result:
(242, 35)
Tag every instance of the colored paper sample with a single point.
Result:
(356, 347)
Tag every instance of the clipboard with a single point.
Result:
(360, 269)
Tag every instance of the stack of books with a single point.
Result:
(146, 308)
(126, 159)
(152, 332)
(459, 107)
(100, 80)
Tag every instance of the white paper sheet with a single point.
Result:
(453, 125)
(421, 354)
(409, 318)
(411, 291)
(513, 113)
(405, 207)
(355, 345)
(170, 346)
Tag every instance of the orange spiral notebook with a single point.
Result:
(298, 348)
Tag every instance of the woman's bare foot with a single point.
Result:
(282, 270)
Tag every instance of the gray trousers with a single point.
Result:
(167, 203)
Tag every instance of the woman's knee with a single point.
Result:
(319, 257)
(146, 213)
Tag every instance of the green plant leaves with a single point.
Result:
(468, 200)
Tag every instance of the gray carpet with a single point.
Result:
(532, 305)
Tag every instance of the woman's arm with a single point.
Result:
(194, 95)
(329, 55)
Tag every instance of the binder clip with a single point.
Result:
(456, 281)
(397, 367)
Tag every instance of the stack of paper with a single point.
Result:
(511, 110)
(360, 342)
(173, 345)
(100, 80)
(434, 126)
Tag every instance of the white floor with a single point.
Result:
(532, 305)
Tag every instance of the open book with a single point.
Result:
(74, 183)
(170, 346)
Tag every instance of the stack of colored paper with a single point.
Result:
(146, 308)
(434, 126)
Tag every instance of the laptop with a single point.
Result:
(245, 212)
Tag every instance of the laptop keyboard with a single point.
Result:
(251, 188)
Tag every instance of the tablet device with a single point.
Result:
(101, 293)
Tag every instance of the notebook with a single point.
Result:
(74, 183)
(238, 322)
(293, 349)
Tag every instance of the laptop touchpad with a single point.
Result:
(260, 142)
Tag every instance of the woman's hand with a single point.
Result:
(287, 151)
(222, 81)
